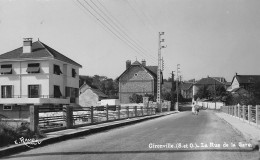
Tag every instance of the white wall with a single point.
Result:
(21, 81)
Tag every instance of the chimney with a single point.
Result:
(128, 64)
(27, 45)
(143, 62)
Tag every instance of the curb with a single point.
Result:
(255, 144)
(50, 140)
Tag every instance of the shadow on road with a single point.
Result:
(152, 151)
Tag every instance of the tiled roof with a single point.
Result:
(209, 81)
(248, 78)
(93, 88)
(151, 69)
(99, 93)
(39, 50)
(186, 86)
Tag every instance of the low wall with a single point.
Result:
(211, 105)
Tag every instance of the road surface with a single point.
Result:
(178, 136)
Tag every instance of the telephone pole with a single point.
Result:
(159, 70)
(177, 87)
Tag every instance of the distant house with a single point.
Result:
(209, 81)
(36, 74)
(186, 89)
(90, 95)
(137, 78)
(243, 81)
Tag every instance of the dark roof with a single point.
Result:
(247, 78)
(186, 86)
(99, 93)
(220, 79)
(93, 88)
(209, 81)
(39, 50)
(151, 69)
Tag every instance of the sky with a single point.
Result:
(216, 38)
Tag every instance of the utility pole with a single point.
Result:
(172, 89)
(159, 70)
(177, 87)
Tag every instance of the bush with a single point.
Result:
(9, 134)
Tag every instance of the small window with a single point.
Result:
(56, 69)
(57, 92)
(6, 69)
(33, 91)
(7, 91)
(136, 74)
(33, 68)
(73, 72)
(7, 107)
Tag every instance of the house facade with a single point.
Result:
(36, 74)
(137, 78)
(243, 81)
(186, 89)
(90, 96)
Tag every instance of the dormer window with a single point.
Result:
(74, 73)
(6, 69)
(33, 68)
(56, 69)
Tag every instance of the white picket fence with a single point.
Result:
(211, 105)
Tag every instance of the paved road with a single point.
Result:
(140, 141)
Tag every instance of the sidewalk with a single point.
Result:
(57, 136)
(250, 132)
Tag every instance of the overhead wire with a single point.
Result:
(111, 28)
(121, 27)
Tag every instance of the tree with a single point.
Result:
(135, 98)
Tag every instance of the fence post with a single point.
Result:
(136, 111)
(238, 112)
(127, 111)
(34, 117)
(243, 112)
(257, 108)
(107, 112)
(69, 116)
(119, 108)
(235, 110)
(91, 114)
(142, 110)
(249, 113)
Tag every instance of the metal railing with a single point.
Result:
(69, 117)
(250, 114)
(32, 96)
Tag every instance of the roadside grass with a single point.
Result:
(9, 134)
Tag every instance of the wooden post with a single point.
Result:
(257, 107)
(243, 112)
(238, 112)
(91, 114)
(34, 118)
(119, 108)
(69, 116)
(107, 112)
(249, 116)
(136, 111)
(127, 111)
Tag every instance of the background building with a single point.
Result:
(137, 78)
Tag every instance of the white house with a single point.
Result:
(36, 74)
